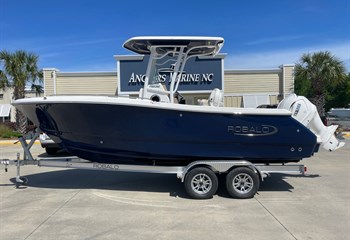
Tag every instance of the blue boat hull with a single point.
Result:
(121, 133)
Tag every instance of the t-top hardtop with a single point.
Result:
(194, 45)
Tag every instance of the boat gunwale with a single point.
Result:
(136, 102)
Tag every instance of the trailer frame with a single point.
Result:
(247, 176)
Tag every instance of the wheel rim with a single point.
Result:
(201, 183)
(243, 183)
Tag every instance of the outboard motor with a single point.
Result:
(306, 113)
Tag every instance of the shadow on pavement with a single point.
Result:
(143, 182)
(105, 180)
(277, 182)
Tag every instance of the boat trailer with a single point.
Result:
(200, 177)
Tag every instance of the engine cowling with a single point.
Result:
(306, 113)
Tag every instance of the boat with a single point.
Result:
(157, 128)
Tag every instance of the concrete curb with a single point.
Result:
(10, 142)
(346, 134)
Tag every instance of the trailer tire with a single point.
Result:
(201, 183)
(242, 183)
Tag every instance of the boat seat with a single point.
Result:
(216, 98)
(203, 102)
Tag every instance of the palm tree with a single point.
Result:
(16, 70)
(320, 69)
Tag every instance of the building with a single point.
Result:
(5, 105)
(7, 111)
(242, 88)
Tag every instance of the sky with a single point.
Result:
(83, 35)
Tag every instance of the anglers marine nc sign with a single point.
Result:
(201, 74)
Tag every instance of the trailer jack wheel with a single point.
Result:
(20, 181)
(242, 183)
(201, 183)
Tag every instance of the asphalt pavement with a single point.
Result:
(83, 204)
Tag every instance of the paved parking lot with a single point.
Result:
(83, 204)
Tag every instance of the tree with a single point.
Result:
(16, 71)
(338, 95)
(320, 69)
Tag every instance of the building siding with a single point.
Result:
(275, 99)
(252, 82)
(6, 96)
(87, 84)
(233, 101)
(288, 73)
(59, 83)
(49, 81)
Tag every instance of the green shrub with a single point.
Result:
(7, 132)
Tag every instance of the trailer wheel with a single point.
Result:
(21, 181)
(242, 183)
(201, 183)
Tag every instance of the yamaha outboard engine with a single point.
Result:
(306, 113)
